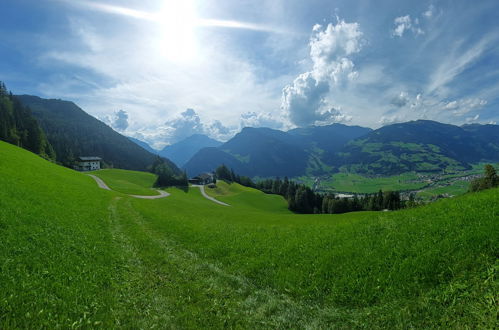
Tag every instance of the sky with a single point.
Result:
(162, 70)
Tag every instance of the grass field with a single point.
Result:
(128, 182)
(355, 183)
(73, 255)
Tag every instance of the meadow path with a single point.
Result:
(103, 185)
(201, 187)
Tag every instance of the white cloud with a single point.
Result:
(474, 119)
(254, 119)
(464, 106)
(456, 61)
(304, 101)
(400, 100)
(405, 23)
(429, 12)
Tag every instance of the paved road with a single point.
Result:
(99, 181)
(201, 187)
(103, 185)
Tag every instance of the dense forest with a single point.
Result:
(166, 176)
(302, 199)
(19, 127)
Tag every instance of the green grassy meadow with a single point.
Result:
(128, 182)
(76, 256)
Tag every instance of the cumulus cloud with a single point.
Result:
(254, 119)
(330, 48)
(185, 125)
(218, 131)
(406, 23)
(304, 101)
(118, 120)
(401, 100)
(182, 126)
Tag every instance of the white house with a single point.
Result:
(87, 163)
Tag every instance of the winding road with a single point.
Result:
(103, 185)
(201, 187)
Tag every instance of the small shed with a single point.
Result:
(88, 163)
(203, 178)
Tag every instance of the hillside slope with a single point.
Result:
(73, 133)
(143, 144)
(74, 255)
(422, 146)
(267, 152)
(19, 127)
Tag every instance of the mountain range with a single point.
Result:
(182, 151)
(72, 133)
(422, 146)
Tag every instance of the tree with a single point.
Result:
(489, 180)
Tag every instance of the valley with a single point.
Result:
(425, 186)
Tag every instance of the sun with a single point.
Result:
(178, 20)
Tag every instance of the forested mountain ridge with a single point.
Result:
(19, 127)
(421, 146)
(72, 132)
(268, 152)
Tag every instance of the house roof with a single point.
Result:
(204, 176)
(90, 158)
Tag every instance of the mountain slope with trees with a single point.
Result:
(143, 144)
(73, 133)
(268, 152)
(19, 127)
(421, 146)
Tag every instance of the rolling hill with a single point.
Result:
(182, 151)
(421, 146)
(74, 255)
(73, 133)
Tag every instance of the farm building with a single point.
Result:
(87, 163)
(204, 178)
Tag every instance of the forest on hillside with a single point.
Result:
(20, 128)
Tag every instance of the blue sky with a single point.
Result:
(162, 70)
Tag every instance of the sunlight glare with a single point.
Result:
(178, 22)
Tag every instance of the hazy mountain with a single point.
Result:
(267, 152)
(143, 144)
(422, 146)
(72, 132)
(182, 151)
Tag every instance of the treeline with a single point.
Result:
(19, 127)
(224, 173)
(166, 175)
(302, 199)
(489, 180)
